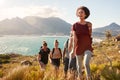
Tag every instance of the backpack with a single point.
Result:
(59, 50)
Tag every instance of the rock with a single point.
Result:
(118, 46)
(26, 62)
(117, 38)
(14, 61)
(35, 59)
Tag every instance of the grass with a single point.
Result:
(4, 58)
(1, 73)
(31, 73)
(101, 72)
(110, 73)
(100, 66)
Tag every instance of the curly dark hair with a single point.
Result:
(86, 10)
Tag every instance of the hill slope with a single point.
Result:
(113, 28)
(34, 25)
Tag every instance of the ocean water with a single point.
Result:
(28, 45)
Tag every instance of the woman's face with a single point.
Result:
(44, 46)
(56, 44)
(81, 14)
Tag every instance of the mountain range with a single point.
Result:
(32, 25)
(113, 28)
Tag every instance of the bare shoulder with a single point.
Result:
(70, 39)
(89, 24)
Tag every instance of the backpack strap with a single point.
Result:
(60, 52)
(53, 51)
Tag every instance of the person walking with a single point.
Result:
(82, 31)
(43, 55)
(68, 59)
(55, 56)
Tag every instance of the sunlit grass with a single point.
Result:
(33, 73)
(100, 66)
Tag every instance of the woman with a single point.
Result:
(43, 55)
(56, 56)
(69, 61)
(82, 31)
(66, 58)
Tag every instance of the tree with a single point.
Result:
(108, 34)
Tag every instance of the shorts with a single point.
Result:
(56, 62)
(44, 62)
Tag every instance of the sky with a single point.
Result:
(103, 12)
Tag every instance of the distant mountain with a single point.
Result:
(34, 25)
(15, 26)
(113, 28)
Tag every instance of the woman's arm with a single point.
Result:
(64, 52)
(39, 57)
(74, 40)
(90, 28)
(70, 43)
(60, 53)
(51, 55)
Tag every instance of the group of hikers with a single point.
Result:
(77, 49)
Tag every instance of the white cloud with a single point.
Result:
(41, 11)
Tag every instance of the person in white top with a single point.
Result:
(55, 56)
(69, 59)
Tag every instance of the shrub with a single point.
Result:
(1, 73)
(96, 71)
(110, 74)
(4, 56)
(4, 61)
(116, 64)
(94, 68)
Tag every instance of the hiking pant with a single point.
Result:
(85, 58)
(69, 64)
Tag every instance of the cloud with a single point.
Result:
(41, 11)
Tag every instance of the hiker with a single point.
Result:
(82, 31)
(72, 60)
(68, 60)
(43, 55)
(55, 56)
